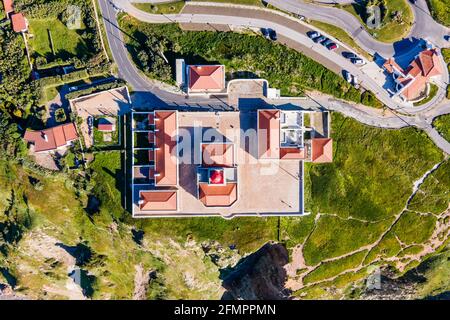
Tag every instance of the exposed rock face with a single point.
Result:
(260, 276)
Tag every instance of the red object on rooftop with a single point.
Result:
(18, 22)
(216, 177)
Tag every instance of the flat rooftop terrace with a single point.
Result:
(264, 186)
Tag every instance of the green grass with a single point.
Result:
(66, 43)
(2, 11)
(442, 125)
(99, 140)
(341, 35)
(433, 91)
(334, 236)
(390, 30)
(413, 228)
(372, 171)
(243, 52)
(440, 10)
(434, 194)
(163, 8)
(333, 268)
(387, 247)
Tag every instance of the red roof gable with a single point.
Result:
(218, 196)
(269, 134)
(322, 150)
(52, 138)
(218, 154)
(158, 201)
(8, 6)
(165, 159)
(202, 78)
(18, 22)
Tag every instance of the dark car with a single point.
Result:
(313, 34)
(349, 55)
(265, 32)
(273, 35)
(319, 39)
(326, 42)
(332, 46)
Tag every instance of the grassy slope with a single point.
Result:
(163, 8)
(244, 52)
(390, 30)
(440, 9)
(442, 125)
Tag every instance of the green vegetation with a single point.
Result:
(334, 236)
(440, 10)
(431, 94)
(433, 195)
(442, 124)
(360, 181)
(162, 8)
(18, 93)
(66, 43)
(60, 115)
(413, 228)
(333, 268)
(341, 35)
(436, 271)
(396, 18)
(106, 138)
(238, 52)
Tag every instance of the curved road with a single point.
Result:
(154, 95)
(425, 27)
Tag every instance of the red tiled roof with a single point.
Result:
(292, 153)
(18, 22)
(218, 154)
(8, 6)
(202, 78)
(158, 201)
(166, 159)
(218, 196)
(105, 127)
(269, 134)
(322, 150)
(426, 65)
(56, 137)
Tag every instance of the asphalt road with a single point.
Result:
(154, 95)
(424, 25)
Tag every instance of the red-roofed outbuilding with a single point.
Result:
(19, 23)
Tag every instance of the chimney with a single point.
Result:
(44, 135)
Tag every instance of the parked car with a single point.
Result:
(313, 34)
(332, 46)
(447, 37)
(72, 89)
(357, 61)
(265, 33)
(349, 55)
(319, 39)
(300, 17)
(326, 42)
(273, 34)
(348, 76)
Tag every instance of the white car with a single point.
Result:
(355, 80)
(348, 77)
